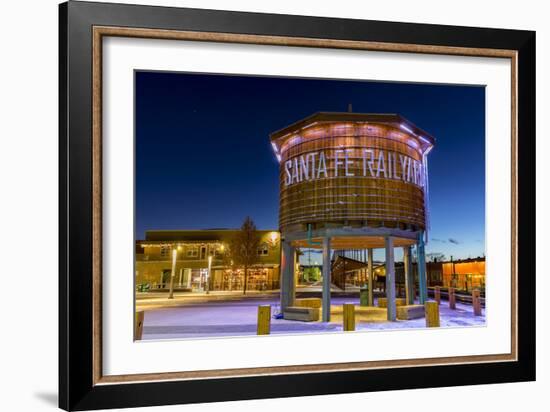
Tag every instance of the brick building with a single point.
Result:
(154, 261)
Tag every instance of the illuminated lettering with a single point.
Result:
(295, 175)
(337, 162)
(288, 177)
(347, 162)
(369, 162)
(312, 155)
(304, 168)
(381, 164)
(376, 164)
(394, 165)
(322, 165)
(403, 161)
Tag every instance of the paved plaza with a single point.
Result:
(202, 316)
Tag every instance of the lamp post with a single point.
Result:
(173, 274)
(208, 274)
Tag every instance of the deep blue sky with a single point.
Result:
(203, 157)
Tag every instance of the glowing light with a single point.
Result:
(207, 283)
(314, 133)
(173, 273)
(273, 236)
(294, 140)
(275, 148)
(406, 128)
(278, 156)
(424, 139)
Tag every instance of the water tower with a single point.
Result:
(353, 181)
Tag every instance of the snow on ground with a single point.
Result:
(238, 318)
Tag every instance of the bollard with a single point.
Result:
(452, 298)
(349, 316)
(432, 314)
(138, 326)
(476, 302)
(264, 319)
(437, 294)
(364, 297)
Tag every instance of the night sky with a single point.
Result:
(204, 160)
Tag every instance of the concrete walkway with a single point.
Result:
(152, 300)
(216, 317)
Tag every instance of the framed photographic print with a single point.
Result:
(256, 205)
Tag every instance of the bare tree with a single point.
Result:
(228, 260)
(436, 257)
(244, 248)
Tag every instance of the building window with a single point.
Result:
(192, 253)
(164, 251)
(263, 250)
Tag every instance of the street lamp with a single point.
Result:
(173, 274)
(273, 236)
(208, 274)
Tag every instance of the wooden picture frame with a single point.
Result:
(81, 30)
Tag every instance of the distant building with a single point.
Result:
(154, 261)
(349, 272)
(465, 274)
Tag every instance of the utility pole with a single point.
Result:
(173, 274)
(208, 274)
